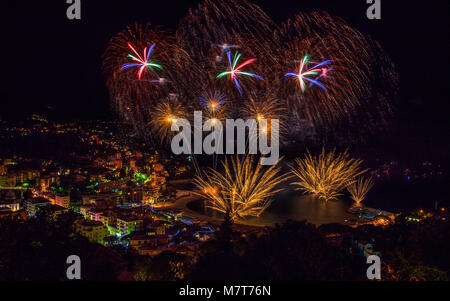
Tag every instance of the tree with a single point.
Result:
(224, 235)
(42, 249)
(293, 251)
(403, 269)
(167, 266)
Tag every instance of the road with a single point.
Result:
(182, 202)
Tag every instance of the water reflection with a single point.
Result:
(300, 207)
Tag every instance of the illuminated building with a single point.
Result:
(3, 181)
(53, 211)
(9, 162)
(127, 225)
(112, 185)
(92, 230)
(93, 215)
(151, 194)
(3, 170)
(107, 218)
(12, 205)
(103, 200)
(63, 201)
(100, 162)
(12, 180)
(149, 245)
(156, 228)
(158, 167)
(7, 213)
(137, 195)
(32, 206)
(22, 176)
(159, 181)
(138, 241)
(84, 210)
(132, 164)
(32, 174)
(44, 184)
(118, 164)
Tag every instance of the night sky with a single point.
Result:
(53, 65)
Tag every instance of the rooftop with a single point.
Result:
(86, 222)
(38, 200)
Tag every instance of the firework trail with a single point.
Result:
(303, 74)
(243, 189)
(236, 70)
(359, 189)
(263, 109)
(347, 93)
(217, 109)
(215, 103)
(353, 99)
(166, 113)
(327, 174)
(143, 62)
(222, 23)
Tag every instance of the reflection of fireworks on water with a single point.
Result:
(327, 174)
(243, 189)
(359, 189)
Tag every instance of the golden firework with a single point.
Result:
(359, 189)
(327, 174)
(243, 189)
(166, 113)
(262, 108)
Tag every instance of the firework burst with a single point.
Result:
(165, 114)
(327, 174)
(243, 189)
(135, 98)
(213, 100)
(351, 101)
(222, 23)
(359, 189)
(266, 108)
(315, 71)
(348, 100)
(215, 105)
(143, 62)
(236, 70)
